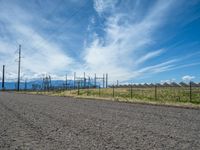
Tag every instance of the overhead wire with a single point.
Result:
(50, 35)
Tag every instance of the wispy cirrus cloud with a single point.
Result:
(102, 6)
(149, 55)
(39, 55)
(123, 47)
(127, 40)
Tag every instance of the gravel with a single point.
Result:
(33, 122)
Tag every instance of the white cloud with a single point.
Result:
(123, 48)
(149, 56)
(104, 5)
(122, 51)
(169, 81)
(158, 67)
(39, 54)
(188, 78)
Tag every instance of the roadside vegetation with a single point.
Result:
(155, 95)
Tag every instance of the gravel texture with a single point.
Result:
(34, 122)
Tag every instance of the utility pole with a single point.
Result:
(3, 79)
(19, 63)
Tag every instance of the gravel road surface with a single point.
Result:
(34, 122)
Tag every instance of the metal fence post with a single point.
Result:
(113, 91)
(3, 78)
(87, 90)
(99, 91)
(155, 92)
(131, 91)
(78, 89)
(190, 91)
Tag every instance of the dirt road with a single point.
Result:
(42, 122)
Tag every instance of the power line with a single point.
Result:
(64, 22)
(50, 35)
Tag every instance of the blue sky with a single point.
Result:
(131, 40)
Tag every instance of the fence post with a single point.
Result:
(190, 91)
(3, 78)
(155, 92)
(87, 90)
(113, 91)
(78, 89)
(99, 91)
(131, 91)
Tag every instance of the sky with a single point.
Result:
(134, 41)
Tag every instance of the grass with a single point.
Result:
(163, 95)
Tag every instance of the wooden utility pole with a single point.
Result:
(19, 63)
